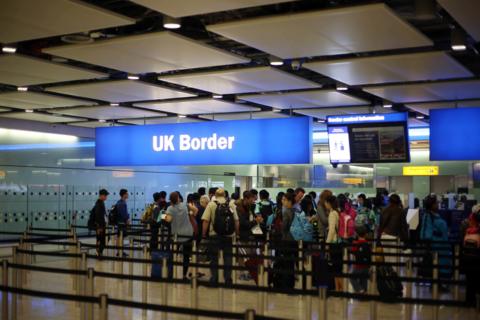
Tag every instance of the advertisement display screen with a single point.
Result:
(266, 141)
(368, 138)
(454, 134)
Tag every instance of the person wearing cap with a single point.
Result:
(100, 220)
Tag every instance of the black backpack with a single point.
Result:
(224, 223)
(265, 210)
(91, 220)
(113, 216)
(389, 286)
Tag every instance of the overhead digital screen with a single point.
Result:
(454, 134)
(368, 138)
(265, 141)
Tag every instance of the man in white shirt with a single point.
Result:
(224, 225)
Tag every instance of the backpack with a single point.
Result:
(389, 286)
(91, 220)
(471, 245)
(265, 210)
(301, 228)
(346, 227)
(148, 213)
(363, 218)
(113, 216)
(223, 223)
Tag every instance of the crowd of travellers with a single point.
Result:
(214, 220)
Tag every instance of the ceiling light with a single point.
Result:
(458, 41)
(387, 105)
(22, 89)
(321, 121)
(102, 120)
(342, 87)
(9, 49)
(275, 61)
(132, 77)
(114, 104)
(420, 117)
(181, 116)
(29, 111)
(276, 110)
(171, 23)
(217, 96)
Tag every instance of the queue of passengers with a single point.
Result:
(214, 220)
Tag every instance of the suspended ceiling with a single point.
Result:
(383, 52)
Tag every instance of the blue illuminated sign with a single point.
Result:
(367, 118)
(455, 134)
(267, 141)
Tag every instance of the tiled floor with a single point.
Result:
(278, 305)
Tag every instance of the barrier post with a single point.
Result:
(234, 261)
(144, 283)
(322, 303)
(103, 307)
(193, 289)
(249, 314)
(300, 263)
(175, 255)
(309, 287)
(120, 253)
(5, 294)
(456, 271)
(21, 260)
(265, 273)
(82, 290)
(15, 284)
(345, 281)
(220, 276)
(435, 285)
(76, 266)
(260, 293)
(408, 291)
(130, 270)
(163, 286)
(90, 292)
(372, 291)
(397, 251)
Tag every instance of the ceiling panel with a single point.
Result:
(392, 68)
(196, 106)
(183, 8)
(245, 116)
(428, 91)
(31, 19)
(108, 112)
(425, 108)
(94, 124)
(327, 32)
(242, 81)
(34, 100)
(152, 52)
(23, 71)
(466, 13)
(38, 117)
(304, 99)
(322, 113)
(120, 91)
(164, 120)
(413, 122)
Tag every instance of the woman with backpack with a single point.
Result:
(434, 231)
(334, 247)
(471, 256)
(346, 228)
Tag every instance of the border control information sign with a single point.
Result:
(267, 141)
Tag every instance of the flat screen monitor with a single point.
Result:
(455, 134)
(368, 138)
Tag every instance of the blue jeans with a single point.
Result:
(216, 243)
(360, 284)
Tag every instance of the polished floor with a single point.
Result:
(277, 305)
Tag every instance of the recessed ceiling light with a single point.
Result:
(182, 116)
(114, 104)
(275, 61)
(132, 77)
(420, 117)
(22, 89)
(276, 110)
(217, 96)
(321, 121)
(9, 49)
(102, 120)
(342, 87)
(459, 47)
(29, 111)
(171, 23)
(387, 105)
